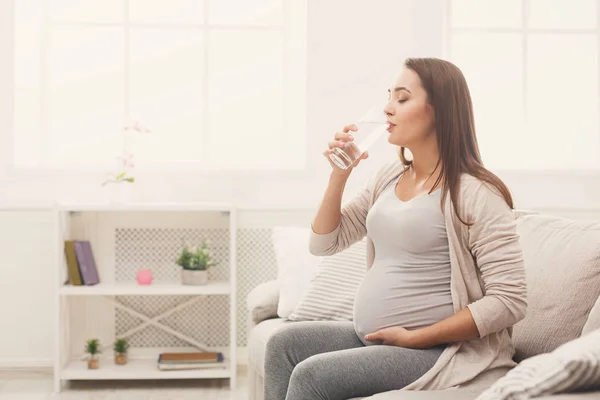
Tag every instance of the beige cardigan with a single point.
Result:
(487, 275)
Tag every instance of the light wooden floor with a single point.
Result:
(37, 385)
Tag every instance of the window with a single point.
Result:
(532, 67)
(219, 83)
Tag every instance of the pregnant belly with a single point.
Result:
(392, 296)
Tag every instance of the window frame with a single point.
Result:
(524, 30)
(294, 39)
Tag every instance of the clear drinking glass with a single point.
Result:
(371, 127)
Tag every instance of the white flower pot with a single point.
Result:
(117, 192)
(189, 277)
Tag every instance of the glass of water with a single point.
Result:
(370, 128)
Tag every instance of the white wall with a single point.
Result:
(6, 84)
(354, 50)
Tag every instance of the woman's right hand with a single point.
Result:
(340, 140)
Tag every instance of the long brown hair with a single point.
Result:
(448, 94)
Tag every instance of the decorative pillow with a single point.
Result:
(330, 295)
(562, 262)
(593, 321)
(295, 265)
(571, 367)
(262, 301)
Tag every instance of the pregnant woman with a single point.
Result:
(445, 280)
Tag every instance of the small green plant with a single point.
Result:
(120, 346)
(92, 347)
(196, 258)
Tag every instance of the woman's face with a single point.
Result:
(410, 116)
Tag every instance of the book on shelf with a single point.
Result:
(81, 265)
(72, 264)
(192, 360)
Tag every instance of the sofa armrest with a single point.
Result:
(262, 301)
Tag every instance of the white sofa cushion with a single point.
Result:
(424, 395)
(330, 295)
(295, 265)
(562, 261)
(593, 321)
(262, 301)
(572, 366)
(452, 394)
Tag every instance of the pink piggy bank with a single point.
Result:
(144, 277)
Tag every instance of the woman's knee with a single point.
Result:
(306, 380)
(307, 370)
(287, 336)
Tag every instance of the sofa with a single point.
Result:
(562, 261)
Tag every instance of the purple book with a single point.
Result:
(87, 264)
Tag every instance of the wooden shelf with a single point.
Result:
(138, 369)
(133, 289)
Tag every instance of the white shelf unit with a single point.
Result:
(143, 364)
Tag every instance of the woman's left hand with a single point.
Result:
(395, 336)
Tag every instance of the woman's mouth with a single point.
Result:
(390, 126)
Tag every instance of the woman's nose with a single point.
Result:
(388, 110)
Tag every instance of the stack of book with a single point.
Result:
(194, 360)
(81, 265)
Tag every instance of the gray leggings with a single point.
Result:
(326, 360)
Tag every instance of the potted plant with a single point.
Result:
(194, 263)
(120, 347)
(92, 347)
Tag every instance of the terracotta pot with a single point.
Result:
(120, 359)
(93, 364)
(190, 277)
